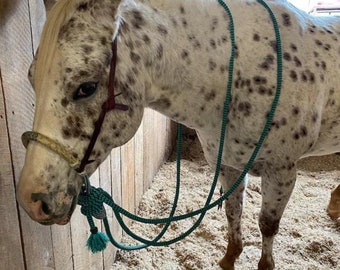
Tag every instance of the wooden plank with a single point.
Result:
(154, 143)
(147, 147)
(116, 181)
(16, 55)
(10, 242)
(105, 184)
(96, 260)
(139, 165)
(171, 133)
(128, 176)
(62, 247)
(161, 140)
(38, 17)
(80, 231)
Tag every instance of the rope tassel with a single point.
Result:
(97, 241)
(92, 205)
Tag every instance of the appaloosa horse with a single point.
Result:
(173, 56)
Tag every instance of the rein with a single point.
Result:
(92, 199)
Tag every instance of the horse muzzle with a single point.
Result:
(47, 208)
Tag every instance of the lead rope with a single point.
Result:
(92, 204)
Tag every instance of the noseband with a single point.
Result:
(109, 105)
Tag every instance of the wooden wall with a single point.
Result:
(127, 173)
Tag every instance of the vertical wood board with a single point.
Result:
(15, 58)
(128, 173)
(10, 243)
(106, 184)
(139, 165)
(116, 191)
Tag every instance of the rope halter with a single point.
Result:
(58, 148)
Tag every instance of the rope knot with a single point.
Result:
(93, 203)
(110, 105)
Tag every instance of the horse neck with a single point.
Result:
(156, 41)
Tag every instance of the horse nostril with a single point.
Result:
(43, 203)
(45, 208)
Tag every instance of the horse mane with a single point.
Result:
(56, 17)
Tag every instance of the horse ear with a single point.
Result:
(49, 4)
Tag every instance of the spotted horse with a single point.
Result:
(172, 56)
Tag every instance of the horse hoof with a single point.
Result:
(333, 208)
(334, 214)
(226, 265)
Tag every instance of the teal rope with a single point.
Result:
(118, 211)
(219, 158)
(168, 222)
(223, 132)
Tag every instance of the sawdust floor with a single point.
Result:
(308, 238)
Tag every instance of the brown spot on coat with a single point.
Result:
(87, 48)
(245, 107)
(210, 96)
(184, 54)
(212, 65)
(303, 131)
(164, 102)
(286, 19)
(297, 61)
(64, 102)
(146, 39)
(259, 80)
(268, 61)
(182, 10)
(212, 43)
(159, 52)
(214, 23)
(162, 29)
(82, 7)
(287, 56)
(273, 44)
(293, 75)
(295, 111)
(135, 58)
(318, 42)
(293, 47)
(138, 20)
(66, 133)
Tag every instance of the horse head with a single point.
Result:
(73, 81)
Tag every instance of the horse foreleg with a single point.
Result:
(277, 186)
(333, 208)
(233, 208)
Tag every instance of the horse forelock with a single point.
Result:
(57, 17)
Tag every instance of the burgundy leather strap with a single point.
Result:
(108, 105)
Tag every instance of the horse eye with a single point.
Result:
(85, 90)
